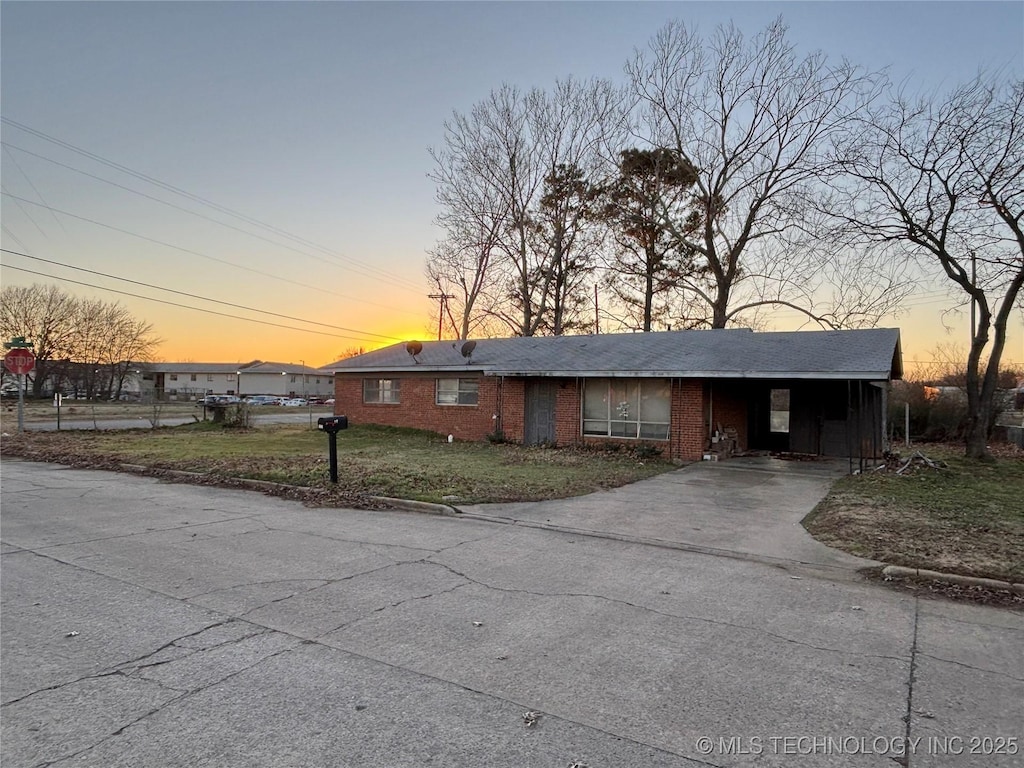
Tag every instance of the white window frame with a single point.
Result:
(457, 391)
(624, 413)
(385, 391)
(779, 416)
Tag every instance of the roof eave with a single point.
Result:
(412, 369)
(671, 374)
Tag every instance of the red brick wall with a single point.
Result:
(688, 432)
(418, 407)
(728, 406)
(568, 429)
(513, 404)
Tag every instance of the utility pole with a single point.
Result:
(443, 298)
(597, 313)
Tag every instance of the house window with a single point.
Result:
(458, 391)
(317, 379)
(633, 408)
(173, 377)
(192, 377)
(779, 414)
(209, 377)
(381, 390)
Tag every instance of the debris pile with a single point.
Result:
(901, 466)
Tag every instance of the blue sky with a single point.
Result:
(315, 118)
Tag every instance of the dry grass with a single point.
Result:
(382, 461)
(967, 518)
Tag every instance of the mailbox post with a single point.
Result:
(332, 425)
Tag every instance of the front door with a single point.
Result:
(540, 412)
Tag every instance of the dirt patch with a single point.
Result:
(943, 590)
(915, 538)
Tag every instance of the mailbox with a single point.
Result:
(332, 424)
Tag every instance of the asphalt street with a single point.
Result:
(153, 624)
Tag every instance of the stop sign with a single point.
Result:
(20, 361)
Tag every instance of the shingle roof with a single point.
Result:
(871, 354)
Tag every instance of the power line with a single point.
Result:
(391, 279)
(196, 198)
(12, 236)
(34, 189)
(185, 306)
(196, 296)
(21, 208)
(185, 250)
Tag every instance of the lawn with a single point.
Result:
(967, 518)
(373, 460)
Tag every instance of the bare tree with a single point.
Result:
(754, 119)
(942, 179)
(492, 148)
(130, 343)
(511, 179)
(475, 218)
(89, 342)
(46, 316)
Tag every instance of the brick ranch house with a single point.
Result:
(814, 392)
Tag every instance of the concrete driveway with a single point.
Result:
(745, 507)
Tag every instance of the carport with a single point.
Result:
(824, 417)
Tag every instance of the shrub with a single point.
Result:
(646, 452)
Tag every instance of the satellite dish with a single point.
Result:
(467, 350)
(413, 348)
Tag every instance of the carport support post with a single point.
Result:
(332, 442)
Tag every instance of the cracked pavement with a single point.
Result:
(154, 624)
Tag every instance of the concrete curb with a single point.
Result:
(897, 571)
(408, 505)
(236, 482)
(426, 507)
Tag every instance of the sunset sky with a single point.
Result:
(274, 155)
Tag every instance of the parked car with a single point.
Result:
(262, 400)
(221, 400)
(295, 402)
